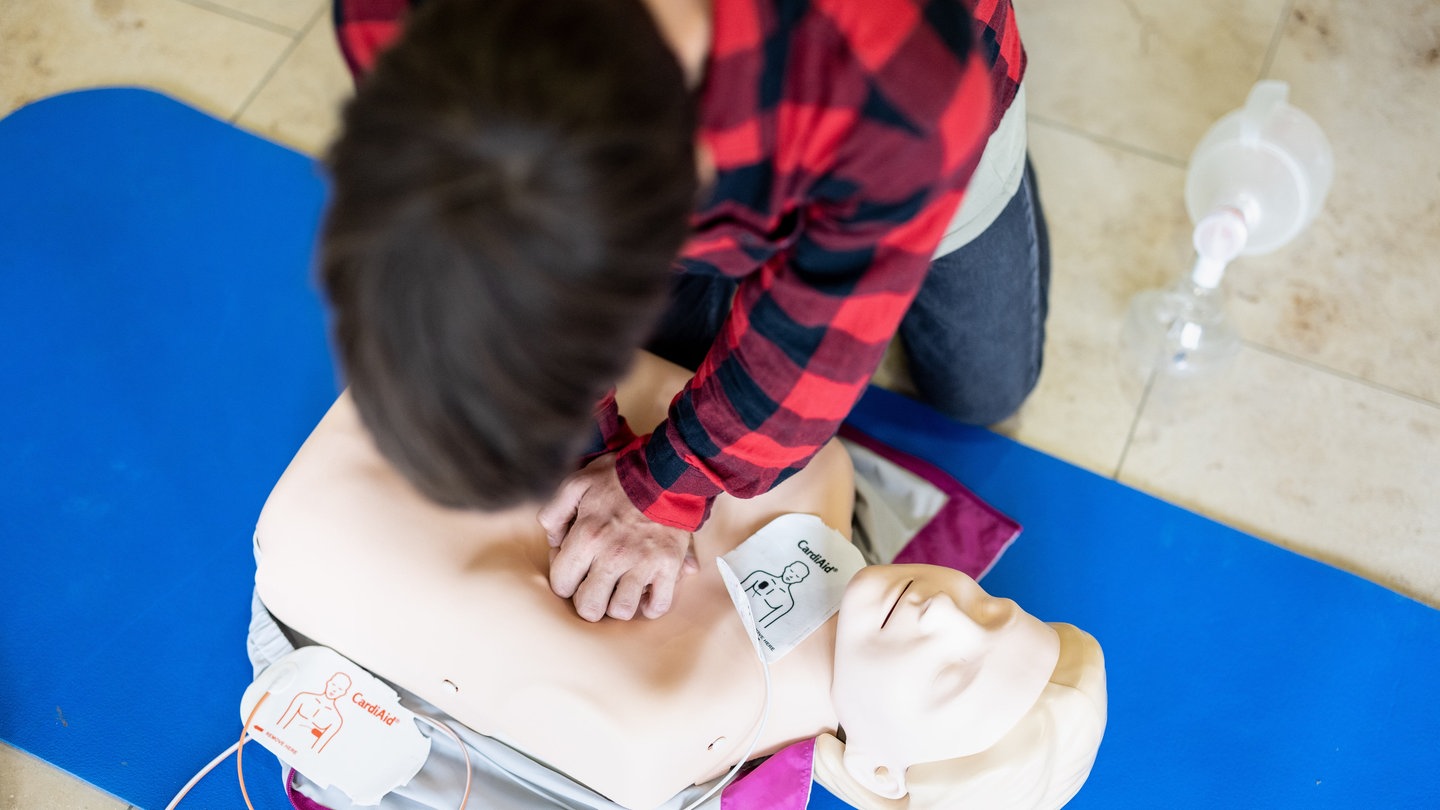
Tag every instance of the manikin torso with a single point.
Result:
(456, 607)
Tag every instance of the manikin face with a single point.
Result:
(930, 667)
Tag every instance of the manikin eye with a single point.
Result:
(951, 681)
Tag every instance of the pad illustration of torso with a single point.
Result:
(318, 712)
(770, 597)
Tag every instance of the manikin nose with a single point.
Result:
(938, 608)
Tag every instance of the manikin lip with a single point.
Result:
(897, 603)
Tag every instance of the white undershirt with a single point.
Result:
(995, 181)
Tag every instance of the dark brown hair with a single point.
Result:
(510, 187)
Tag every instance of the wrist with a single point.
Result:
(668, 507)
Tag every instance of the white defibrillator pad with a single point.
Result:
(788, 578)
(337, 724)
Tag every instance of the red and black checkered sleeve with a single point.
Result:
(884, 174)
(364, 28)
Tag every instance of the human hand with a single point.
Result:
(605, 554)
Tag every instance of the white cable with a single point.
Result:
(754, 741)
(464, 752)
(195, 780)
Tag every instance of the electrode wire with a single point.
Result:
(754, 741)
(240, 751)
(195, 780)
(464, 752)
(233, 749)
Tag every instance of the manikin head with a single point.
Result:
(1039, 764)
(1042, 762)
(929, 667)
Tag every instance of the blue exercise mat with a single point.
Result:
(1240, 675)
(166, 356)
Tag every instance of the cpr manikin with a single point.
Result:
(920, 666)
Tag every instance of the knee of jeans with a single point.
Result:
(984, 404)
(985, 414)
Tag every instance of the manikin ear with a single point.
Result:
(884, 780)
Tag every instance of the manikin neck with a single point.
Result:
(831, 774)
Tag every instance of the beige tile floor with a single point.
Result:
(1325, 435)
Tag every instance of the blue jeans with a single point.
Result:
(973, 337)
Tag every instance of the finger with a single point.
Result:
(592, 598)
(626, 599)
(569, 566)
(557, 515)
(658, 600)
(690, 564)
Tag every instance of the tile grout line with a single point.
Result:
(1105, 140)
(1274, 46)
(242, 17)
(280, 60)
(1280, 355)
(1344, 375)
(1135, 424)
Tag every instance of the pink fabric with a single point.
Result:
(781, 782)
(299, 800)
(967, 534)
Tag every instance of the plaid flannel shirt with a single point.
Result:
(843, 133)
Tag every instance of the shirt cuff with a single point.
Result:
(668, 507)
(611, 434)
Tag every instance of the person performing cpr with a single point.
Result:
(765, 192)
